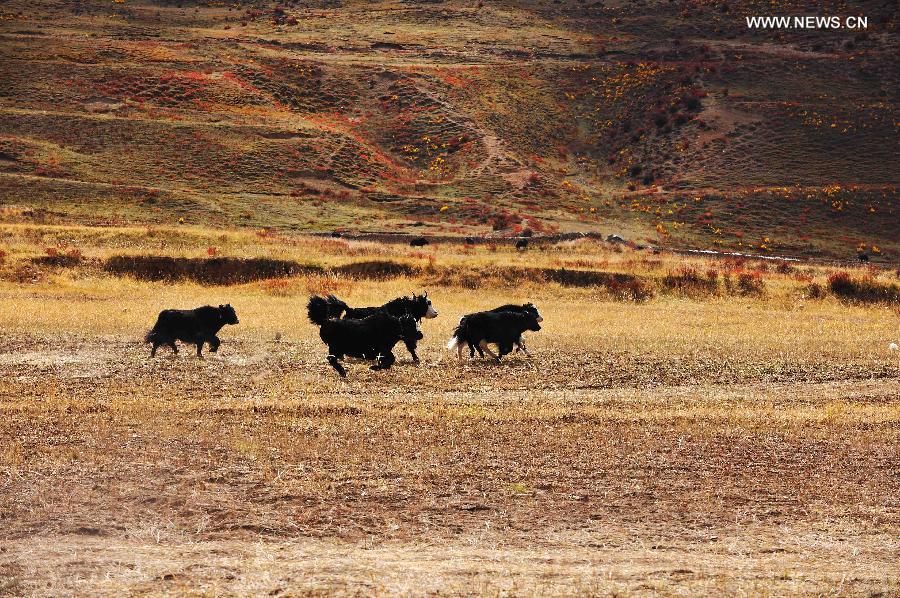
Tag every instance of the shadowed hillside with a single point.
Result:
(667, 122)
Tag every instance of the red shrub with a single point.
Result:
(751, 283)
(866, 289)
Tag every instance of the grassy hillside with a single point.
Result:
(669, 122)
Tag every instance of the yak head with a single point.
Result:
(409, 328)
(530, 309)
(422, 306)
(228, 314)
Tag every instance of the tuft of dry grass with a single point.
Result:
(865, 289)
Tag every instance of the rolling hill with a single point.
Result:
(666, 122)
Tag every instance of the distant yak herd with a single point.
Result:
(369, 333)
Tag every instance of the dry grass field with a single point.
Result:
(699, 441)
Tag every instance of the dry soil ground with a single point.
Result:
(720, 447)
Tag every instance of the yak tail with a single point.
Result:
(317, 310)
(336, 306)
(458, 334)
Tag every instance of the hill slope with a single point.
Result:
(665, 121)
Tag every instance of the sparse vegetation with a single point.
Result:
(750, 283)
(864, 289)
(214, 270)
(687, 281)
(815, 291)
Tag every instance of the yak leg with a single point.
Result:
(160, 342)
(411, 347)
(385, 361)
(483, 346)
(200, 347)
(214, 343)
(505, 349)
(520, 346)
(333, 360)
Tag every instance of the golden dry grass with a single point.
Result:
(730, 445)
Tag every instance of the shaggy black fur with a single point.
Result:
(527, 308)
(503, 328)
(417, 306)
(195, 326)
(372, 337)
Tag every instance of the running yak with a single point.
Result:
(194, 326)
(372, 337)
(502, 326)
(417, 306)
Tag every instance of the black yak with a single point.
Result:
(372, 337)
(418, 242)
(418, 306)
(527, 308)
(196, 326)
(503, 328)
(522, 244)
